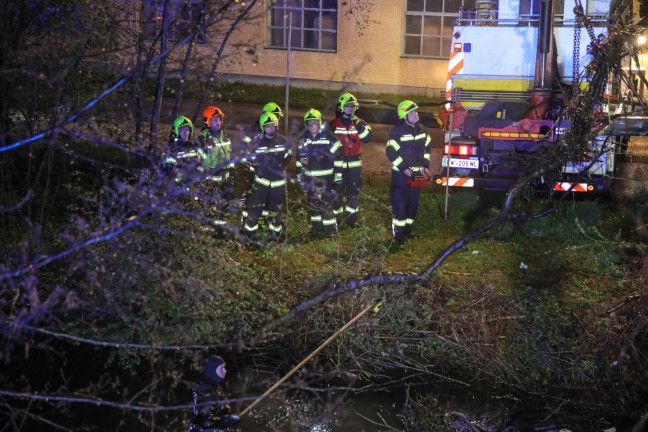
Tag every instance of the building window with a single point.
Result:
(428, 26)
(305, 24)
(530, 12)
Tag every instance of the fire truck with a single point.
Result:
(510, 64)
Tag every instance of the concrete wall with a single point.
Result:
(368, 60)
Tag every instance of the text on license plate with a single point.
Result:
(461, 163)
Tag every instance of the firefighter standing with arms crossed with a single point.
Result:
(319, 163)
(217, 165)
(269, 159)
(352, 133)
(408, 150)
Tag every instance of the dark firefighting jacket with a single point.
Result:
(182, 159)
(269, 159)
(408, 148)
(319, 156)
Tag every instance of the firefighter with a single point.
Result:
(248, 137)
(269, 159)
(352, 132)
(217, 165)
(181, 158)
(319, 162)
(408, 150)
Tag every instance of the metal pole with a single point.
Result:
(447, 191)
(310, 356)
(287, 105)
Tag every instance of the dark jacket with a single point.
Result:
(270, 157)
(181, 160)
(319, 156)
(208, 408)
(408, 148)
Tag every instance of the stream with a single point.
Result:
(459, 408)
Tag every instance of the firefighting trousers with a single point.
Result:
(321, 199)
(271, 199)
(350, 187)
(405, 203)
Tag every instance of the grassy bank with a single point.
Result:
(537, 308)
(236, 91)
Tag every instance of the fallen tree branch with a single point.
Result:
(334, 289)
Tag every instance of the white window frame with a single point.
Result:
(311, 37)
(443, 40)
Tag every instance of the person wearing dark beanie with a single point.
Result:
(211, 414)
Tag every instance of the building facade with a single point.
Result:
(371, 46)
(396, 46)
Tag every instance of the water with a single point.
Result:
(339, 409)
(448, 406)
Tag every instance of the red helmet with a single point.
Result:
(210, 112)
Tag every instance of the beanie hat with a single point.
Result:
(209, 369)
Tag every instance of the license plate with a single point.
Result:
(461, 163)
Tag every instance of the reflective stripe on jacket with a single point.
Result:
(351, 134)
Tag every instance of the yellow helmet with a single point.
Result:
(406, 107)
(345, 99)
(313, 114)
(181, 122)
(273, 108)
(267, 118)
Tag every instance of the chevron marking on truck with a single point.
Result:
(455, 66)
(458, 181)
(564, 186)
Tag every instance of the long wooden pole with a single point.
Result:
(310, 356)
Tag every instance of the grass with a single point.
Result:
(236, 91)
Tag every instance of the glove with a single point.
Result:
(415, 171)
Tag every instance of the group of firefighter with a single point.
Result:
(328, 161)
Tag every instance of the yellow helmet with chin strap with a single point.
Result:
(179, 123)
(347, 98)
(313, 114)
(406, 107)
(267, 118)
